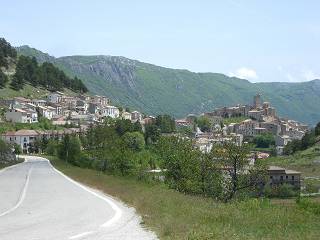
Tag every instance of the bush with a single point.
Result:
(281, 191)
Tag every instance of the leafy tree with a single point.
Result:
(52, 147)
(17, 149)
(307, 140)
(122, 126)
(137, 127)
(264, 140)
(204, 124)
(69, 148)
(166, 123)
(187, 169)
(234, 162)
(134, 140)
(152, 133)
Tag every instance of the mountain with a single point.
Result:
(153, 89)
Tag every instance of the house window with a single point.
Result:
(281, 178)
(292, 178)
(287, 177)
(24, 139)
(271, 177)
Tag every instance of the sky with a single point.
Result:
(261, 41)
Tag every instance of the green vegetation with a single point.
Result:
(158, 90)
(227, 121)
(7, 157)
(43, 124)
(27, 71)
(45, 75)
(204, 123)
(165, 123)
(308, 140)
(173, 215)
(28, 91)
(307, 161)
(119, 147)
(264, 140)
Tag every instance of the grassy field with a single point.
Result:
(28, 91)
(307, 162)
(173, 215)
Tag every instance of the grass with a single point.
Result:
(307, 162)
(227, 121)
(28, 91)
(173, 215)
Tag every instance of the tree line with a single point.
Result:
(45, 75)
(28, 70)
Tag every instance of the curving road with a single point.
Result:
(37, 202)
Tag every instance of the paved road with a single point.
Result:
(37, 202)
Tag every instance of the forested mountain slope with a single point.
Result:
(153, 89)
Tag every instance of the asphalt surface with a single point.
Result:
(37, 202)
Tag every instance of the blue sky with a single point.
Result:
(258, 40)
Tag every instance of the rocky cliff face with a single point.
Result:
(116, 70)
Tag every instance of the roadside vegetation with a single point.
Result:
(174, 215)
(7, 154)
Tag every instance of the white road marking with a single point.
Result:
(81, 235)
(22, 196)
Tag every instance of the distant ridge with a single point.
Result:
(155, 89)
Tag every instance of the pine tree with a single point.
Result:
(3, 79)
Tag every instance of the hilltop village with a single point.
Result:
(81, 111)
(256, 119)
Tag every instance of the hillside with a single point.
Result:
(24, 76)
(153, 89)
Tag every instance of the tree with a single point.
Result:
(6, 51)
(69, 148)
(307, 140)
(204, 124)
(234, 162)
(17, 82)
(3, 79)
(17, 149)
(317, 129)
(152, 133)
(122, 126)
(166, 123)
(134, 140)
(264, 140)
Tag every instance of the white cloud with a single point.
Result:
(244, 73)
(290, 77)
(310, 75)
